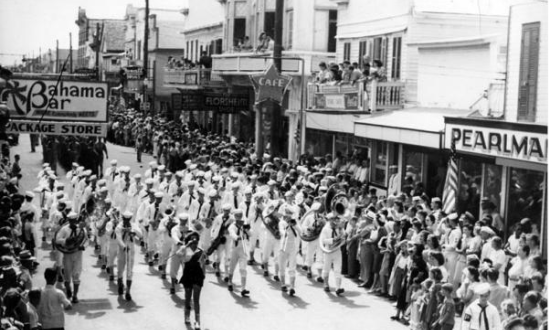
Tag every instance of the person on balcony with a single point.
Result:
(378, 73)
(205, 60)
(350, 76)
(324, 76)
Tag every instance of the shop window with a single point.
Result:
(380, 163)
(525, 197)
(469, 191)
(492, 184)
(413, 162)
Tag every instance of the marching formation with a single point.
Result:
(229, 209)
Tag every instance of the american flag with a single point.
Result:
(451, 183)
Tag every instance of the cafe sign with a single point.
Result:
(40, 100)
(523, 145)
(270, 85)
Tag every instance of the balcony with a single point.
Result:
(192, 78)
(366, 97)
(246, 63)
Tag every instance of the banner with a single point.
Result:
(57, 128)
(70, 101)
(346, 101)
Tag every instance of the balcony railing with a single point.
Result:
(191, 77)
(372, 96)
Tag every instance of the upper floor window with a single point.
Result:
(396, 58)
(332, 26)
(528, 71)
(347, 51)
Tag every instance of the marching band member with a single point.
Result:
(110, 175)
(29, 207)
(178, 234)
(112, 240)
(152, 219)
(233, 197)
(219, 239)
(126, 233)
(166, 224)
(79, 190)
(54, 224)
(272, 192)
(134, 191)
(330, 236)
(68, 237)
(140, 217)
(89, 190)
(197, 205)
(152, 171)
(238, 232)
(70, 175)
(186, 198)
(289, 248)
(206, 218)
(271, 238)
(102, 238)
(122, 187)
(313, 251)
(164, 185)
(201, 182)
(159, 177)
(193, 276)
(252, 210)
(176, 188)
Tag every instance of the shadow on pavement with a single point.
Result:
(295, 301)
(344, 299)
(245, 302)
(128, 306)
(91, 308)
(179, 302)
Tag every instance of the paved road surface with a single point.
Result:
(153, 307)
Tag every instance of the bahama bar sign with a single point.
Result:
(70, 101)
(531, 146)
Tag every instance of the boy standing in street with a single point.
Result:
(53, 302)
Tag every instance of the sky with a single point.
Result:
(28, 25)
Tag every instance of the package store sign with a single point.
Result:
(346, 101)
(57, 128)
(518, 145)
(46, 100)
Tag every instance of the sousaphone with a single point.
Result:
(336, 202)
(271, 220)
(72, 244)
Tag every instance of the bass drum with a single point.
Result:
(71, 246)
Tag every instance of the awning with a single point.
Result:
(338, 122)
(415, 126)
(372, 32)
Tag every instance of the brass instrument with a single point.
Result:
(337, 242)
(337, 201)
(312, 233)
(220, 239)
(271, 221)
(72, 244)
(156, 221)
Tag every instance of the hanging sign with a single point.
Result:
(270, 85)
(57, 128)
(71, 101)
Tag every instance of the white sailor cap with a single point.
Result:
(272, 182)
(159, 194)
(234, 175)
(103, 190)
(482, 288)
(162, 168)
(127, 215)
(137, 176)
(289, 194)
(191, 184)
(213, 193)
(316, 206)
(216, 178)
(114, 162)
(72, 215)
(168, 173)
(179, 174)
(88, 172)
(238, 213)
(150, 181)
(193, 167)
(201, 191)
(101, 182)
(487, 230)
(188, 162)
(200, 174)
(59, 194)
(52, 176)
(183, 216)
(236, 185)
(45, 165)
(247, 190)
(108, 201)
(226, 207)
(153, 164)
(74, 164)
(29, 194)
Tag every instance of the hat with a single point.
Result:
(448, 287)
(289, 194)
(193, 167)
(127, 215)
(114, 162)
(216, 178)
(452, 216)
(191, 184)
(72, 215)
(45, 165)
(150, 181)
(234, 175)
(183, 216)
(316, 206)
(272, 182)
(159, 194)
(238, 212)
(201, 191)
(108, 201)
(200, 174)
(102, 182)
(137, 176)
(436, 199)
(323, 188)
(153, 164)
(29, 194)
(103, 190)
(192, 236)
(236, 185)
(482, 288)
(179, 174)
(487, 230)
(247, 190)
(525, 221)
(213, 193)
(59, 194)
(161, 168)
(416, 199)
(226, 207)
(371, 215)
(26, 255)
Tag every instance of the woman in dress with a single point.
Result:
(193, 276)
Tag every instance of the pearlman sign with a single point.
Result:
(498, 142)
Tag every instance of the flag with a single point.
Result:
(451, 183)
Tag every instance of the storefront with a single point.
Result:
(504, 163)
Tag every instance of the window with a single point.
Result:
(239, 30)
(196, 50)
(380, 163)
(525, 197)
(413, 162)
(290, 28)
(380, 49)
(362, 52)
(139, 50)
(469, 189)
(396, 58)
(186, 49)
(269, 23)
(191, 51)
(114, 61)
(528, 69)
(332, 26)
(347, 50)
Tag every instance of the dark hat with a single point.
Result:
(26, 255)
(192, 236)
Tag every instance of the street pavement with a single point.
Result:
(153, 307)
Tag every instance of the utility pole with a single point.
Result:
(70, 52)
(277, 133)
(146, 40)
(98, 46)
